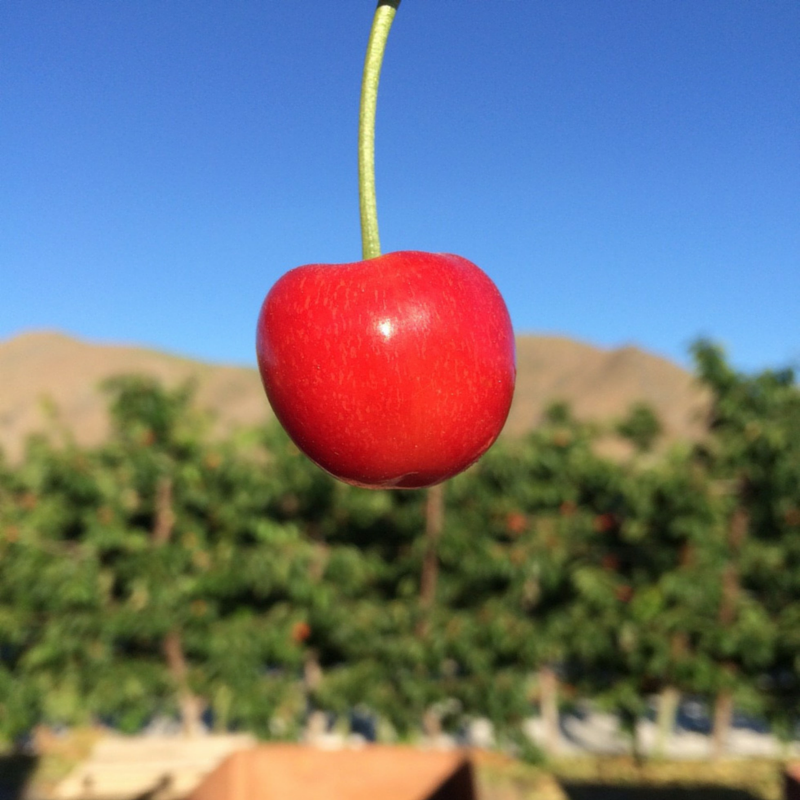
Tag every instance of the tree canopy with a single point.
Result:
(230, 580)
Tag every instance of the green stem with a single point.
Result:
(382, 22)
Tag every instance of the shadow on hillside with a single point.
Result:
(15, 772)
(590, 791)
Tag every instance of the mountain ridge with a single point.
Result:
(45, 370)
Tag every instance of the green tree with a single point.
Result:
(52, 643)
(515, 564)
(363, 604)
(207, 583)
(753, 453)
(641, 427)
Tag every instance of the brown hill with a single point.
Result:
(41, 371)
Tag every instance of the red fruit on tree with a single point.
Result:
(567, 508)
(392, 372)
(624, 593)
(610, 563)
(300, 632)
(603, 523)
(516, 522)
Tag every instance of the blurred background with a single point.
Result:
(611, 597)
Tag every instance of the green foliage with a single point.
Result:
(168, 571)
(641, 427)
(754, 455)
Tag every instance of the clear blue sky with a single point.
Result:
(627, 171)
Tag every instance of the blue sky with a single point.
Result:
(627, 171)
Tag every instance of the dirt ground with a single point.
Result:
(25, 777)
(605, 778)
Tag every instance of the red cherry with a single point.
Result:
(610, 563)
(567, 508)
(300, 632)
(516, 522)
(603, 522)
(624, 593)
(394, 372)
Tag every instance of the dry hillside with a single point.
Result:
(39, 371)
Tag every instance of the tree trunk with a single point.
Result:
(434, 520)
(723, 706)
(548, 709)
(190, 704)
(312, 673)
(629, 719)
(316, 723)
(432, 723)
(723, 717)
(223, 699)
(191, 707)
(665, 723)
(164, 515)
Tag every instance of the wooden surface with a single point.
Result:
(121, 768)
(792, 782)
(297, 772)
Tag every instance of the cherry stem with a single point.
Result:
(381, 23)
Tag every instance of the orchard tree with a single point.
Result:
(753, 453)
(673, 535)
(641, 427)
(53, 645)
(515, 566)
(206, 580)
(363, 603)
